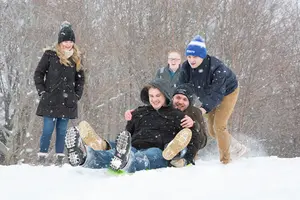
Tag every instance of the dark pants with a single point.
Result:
(61, 128)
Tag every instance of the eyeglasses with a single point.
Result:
(174, 59)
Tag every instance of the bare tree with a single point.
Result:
(125, 41)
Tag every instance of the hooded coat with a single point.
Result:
(156, 128)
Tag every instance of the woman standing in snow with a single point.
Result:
(59, 80)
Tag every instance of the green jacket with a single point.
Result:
(164, 73)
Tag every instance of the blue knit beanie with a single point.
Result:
(196, 47)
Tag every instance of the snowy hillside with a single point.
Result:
(261, 178)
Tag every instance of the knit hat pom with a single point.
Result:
(65, 24)
(196, 47)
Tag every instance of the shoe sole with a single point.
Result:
(121, 155)
(180, 141)
(71, 144)
(89, 136)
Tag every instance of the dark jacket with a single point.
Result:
(164, 73)
(193, 112)
(211, 81)
(199, 126)
(156, 128)
(60, 87)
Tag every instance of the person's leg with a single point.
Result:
(90, 137)
(98, 159)
(180, 141)
(149, 159)
(145, 159)
(210, 123)
(76, 149)
(122, 157)
(221, 117)
(61, 129)
(48, 128)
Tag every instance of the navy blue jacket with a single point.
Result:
(211, 81)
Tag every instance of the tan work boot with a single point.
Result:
(90, 138)
(180, 141)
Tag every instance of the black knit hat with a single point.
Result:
(66, 33)
(187, 90)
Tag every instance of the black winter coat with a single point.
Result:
(212, 80)
(156, 128)
(60, 87)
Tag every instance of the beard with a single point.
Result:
(179, 106)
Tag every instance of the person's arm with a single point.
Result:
(128, 114)
(217, 92)
(187, 122)
(40, 73)
(79, 83)
(157, 75)
(183, 76)
(136, 114)
(192, 117)
(130, 126)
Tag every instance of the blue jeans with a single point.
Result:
(61, 128)
(139, 159)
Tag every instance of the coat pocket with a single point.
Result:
(70, 99)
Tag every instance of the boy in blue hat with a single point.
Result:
(216, 86)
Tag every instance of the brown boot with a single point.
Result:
(90, 138)
(180, 141)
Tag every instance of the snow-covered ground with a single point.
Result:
(256, 178)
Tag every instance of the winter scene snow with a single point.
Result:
(90, 64)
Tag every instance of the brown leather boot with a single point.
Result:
(181, 140)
